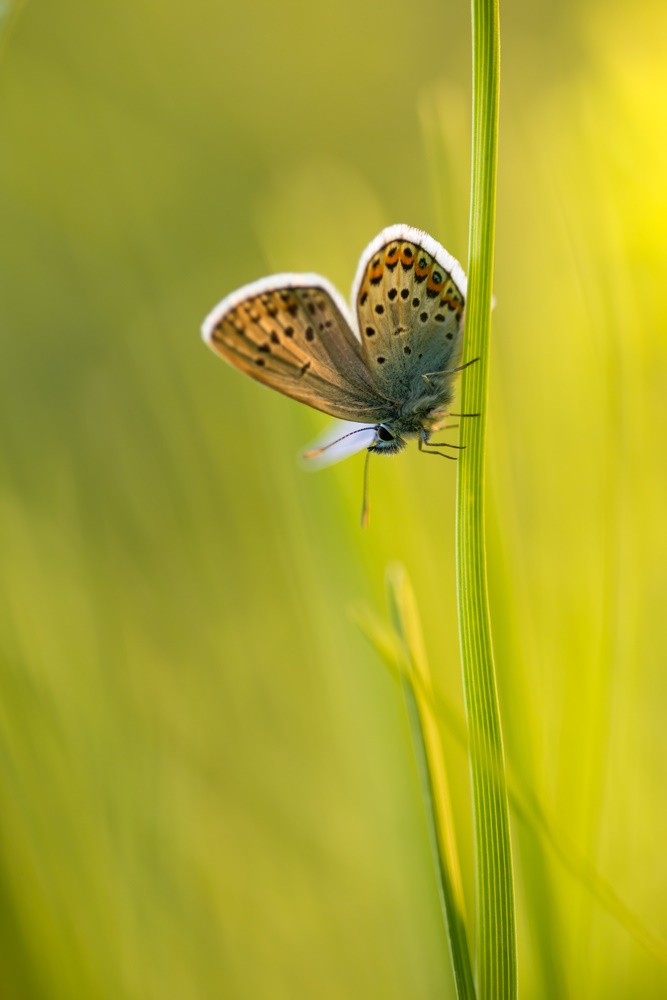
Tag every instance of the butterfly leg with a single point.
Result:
(449, 371)
(443, 444)
(460, 368)
(423, 442)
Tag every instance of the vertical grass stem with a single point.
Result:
(496, 962)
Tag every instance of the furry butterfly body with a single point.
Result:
(389, 364)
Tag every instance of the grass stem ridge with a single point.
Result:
(496, 959)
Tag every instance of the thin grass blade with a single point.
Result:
(495, 919)
(417, 689)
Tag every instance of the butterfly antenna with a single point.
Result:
(365, 506)
(314, 452)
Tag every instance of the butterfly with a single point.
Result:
(388, 367)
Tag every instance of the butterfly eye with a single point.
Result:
(384, 434)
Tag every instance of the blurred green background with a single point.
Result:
(207, 786)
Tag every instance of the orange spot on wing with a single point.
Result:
(375, 273)
(432, 284)
(420, 271)
(455, 304)
(451, 297)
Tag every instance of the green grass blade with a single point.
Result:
(418, 693)
(495, 920)
(524, 803)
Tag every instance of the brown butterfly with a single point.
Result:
(388, 368)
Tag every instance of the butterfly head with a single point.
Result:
(387, 441)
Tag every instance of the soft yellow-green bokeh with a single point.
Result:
(205, 772)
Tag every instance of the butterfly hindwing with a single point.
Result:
(409, 295)
(290, 332)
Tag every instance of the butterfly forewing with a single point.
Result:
(289, 333)
(410, 296)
